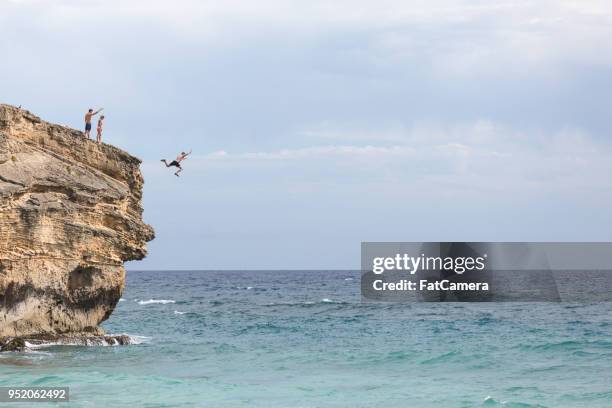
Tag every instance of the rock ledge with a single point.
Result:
(70, 216)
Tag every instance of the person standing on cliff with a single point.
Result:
(99, 129)
(90, 114)
(177, 162)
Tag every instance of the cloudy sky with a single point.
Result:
(319, 124)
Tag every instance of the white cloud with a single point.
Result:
(456, 36)
(316, 152)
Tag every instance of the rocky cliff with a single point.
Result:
(70, 215)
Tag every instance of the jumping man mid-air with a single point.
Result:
(177, 162)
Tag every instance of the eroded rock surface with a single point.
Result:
(70, 216)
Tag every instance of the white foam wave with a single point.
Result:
(97, 341)
(122, 300)
(153, 301)
(36, 352)
(176, 312)
(31, 346)
(134, 339)
(326, 300)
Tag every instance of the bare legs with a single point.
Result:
(172, 164)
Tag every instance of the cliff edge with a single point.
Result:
(70, 216)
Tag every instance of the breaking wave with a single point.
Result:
(156, 301)
(96, 341)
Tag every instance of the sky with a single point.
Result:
(318, 125)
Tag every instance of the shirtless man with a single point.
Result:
(90, 114)
(99, 129)
(177, 162)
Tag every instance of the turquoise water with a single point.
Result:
(304, 339)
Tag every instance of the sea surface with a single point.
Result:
(304, 339)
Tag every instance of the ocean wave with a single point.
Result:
(335, 302)
(156, 301)
(492, 402)
(308, 303)
(267, 328)
(486, 320)
(442, 358)
(15, 357)
(139, 339)
(96, 341)
(176, 312)
(569, 345)
(489, 400)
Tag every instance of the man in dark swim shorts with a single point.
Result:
(177, 162)
(90, 114)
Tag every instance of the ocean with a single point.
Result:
(305, 339)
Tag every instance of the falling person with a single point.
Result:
(177, 162)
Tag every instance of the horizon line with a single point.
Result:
(240, 270)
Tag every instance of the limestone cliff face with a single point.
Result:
(70, 215)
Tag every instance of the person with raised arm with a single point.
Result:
(177, 162)
(88, 116)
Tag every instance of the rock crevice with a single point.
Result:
(70, 216)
